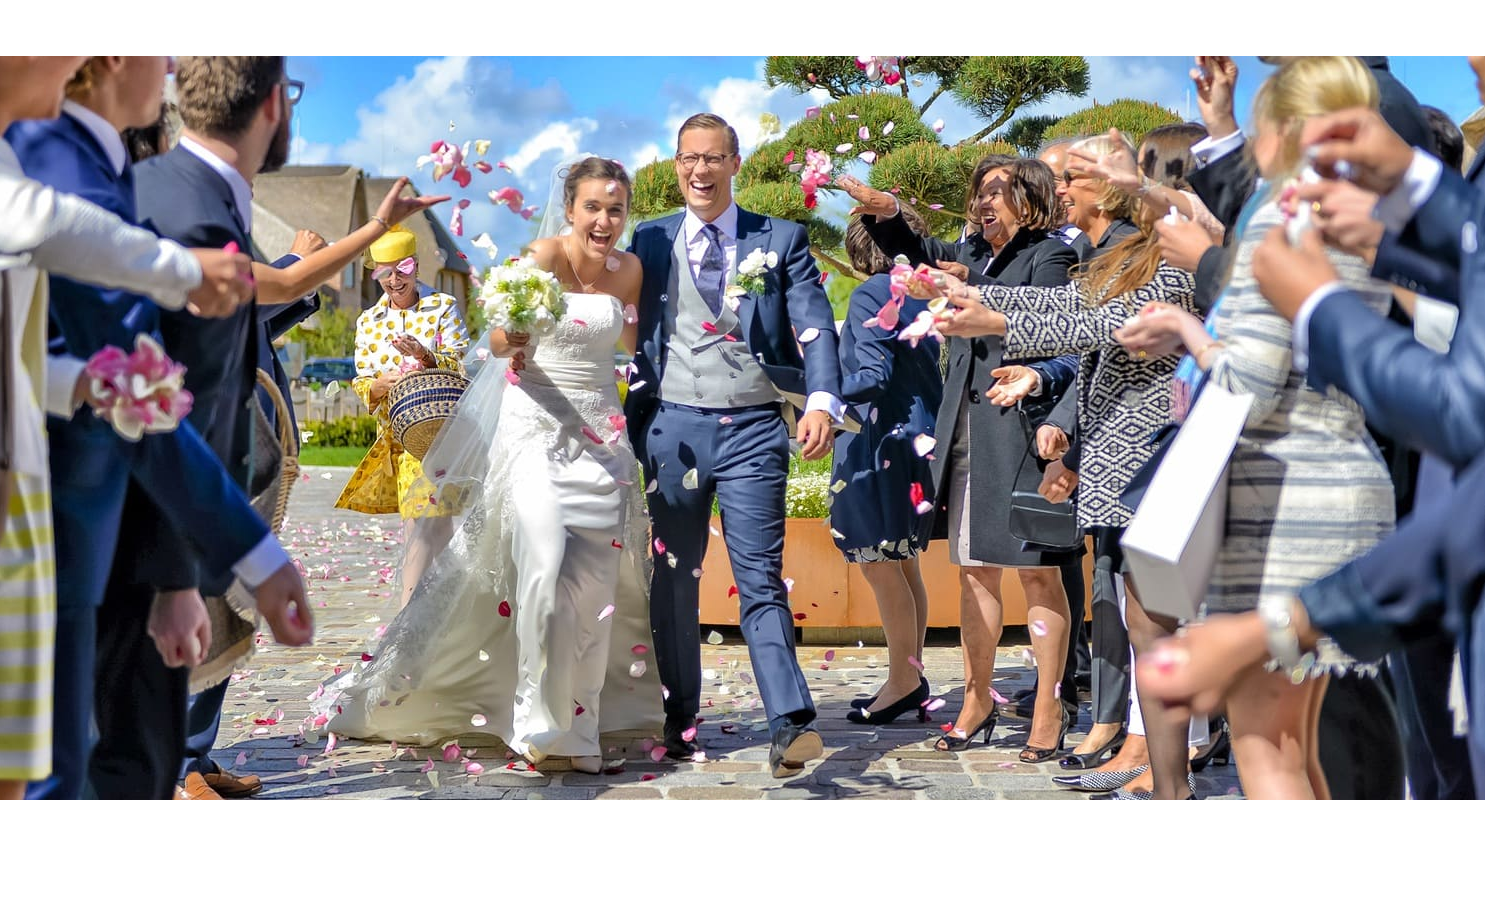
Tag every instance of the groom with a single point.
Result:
(708, 418)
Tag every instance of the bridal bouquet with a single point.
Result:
(520, 296)
(140, 392)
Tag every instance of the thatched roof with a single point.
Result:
(323, 199)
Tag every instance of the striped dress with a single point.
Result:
(1308, 490)
(28, 616)
(28, 576)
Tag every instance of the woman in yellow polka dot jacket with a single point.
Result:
(411, 327)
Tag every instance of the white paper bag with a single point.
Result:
(1175, 536)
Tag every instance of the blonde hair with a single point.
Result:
(1130, 264)
(1309, 86)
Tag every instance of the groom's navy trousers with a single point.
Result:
(742, 456)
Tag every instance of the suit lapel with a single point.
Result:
(660, 259)
(753, 233)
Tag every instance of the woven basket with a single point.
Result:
(420, 405)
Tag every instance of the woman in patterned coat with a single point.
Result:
(1124, 400)
(413, 327)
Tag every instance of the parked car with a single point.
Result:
(324, 369)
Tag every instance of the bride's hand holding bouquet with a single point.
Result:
(520, 300)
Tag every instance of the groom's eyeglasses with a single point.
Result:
(712, 160)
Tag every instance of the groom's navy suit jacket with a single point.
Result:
(793, 302)
(90, 463)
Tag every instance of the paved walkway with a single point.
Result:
(349, 560)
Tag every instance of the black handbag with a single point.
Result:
(1033, 519)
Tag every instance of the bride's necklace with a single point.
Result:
(585, 286)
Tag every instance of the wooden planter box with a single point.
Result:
(830, 593)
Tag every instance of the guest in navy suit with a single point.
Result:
(82, 153)
(876, 519)
(708, 419)
(235, 114)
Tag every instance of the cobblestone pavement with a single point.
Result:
(349, 558)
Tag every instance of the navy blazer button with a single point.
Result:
(973, 396)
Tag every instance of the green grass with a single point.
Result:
(330, 456)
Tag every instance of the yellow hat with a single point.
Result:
(395, 246)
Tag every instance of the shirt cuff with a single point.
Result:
(1398, 207)
(1040, 382)
(262, 562)
(1299, 324)
(186, 266)
(1210, 149)
(827, 403)
(63, 373)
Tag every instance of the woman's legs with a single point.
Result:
(1046, 605)
(1271, 719)
(982, 621)
(423, 540)
(896, 606)
(1165, 728)
(1315, 775)
(922, 603)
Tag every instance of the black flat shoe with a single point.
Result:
(1218, 752)
(915, 701)
(791, 747)
(675, 745)
(864, 702)
(1096, 758)
(1041, 754)
(953, 741)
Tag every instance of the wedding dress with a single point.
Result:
(532, 625)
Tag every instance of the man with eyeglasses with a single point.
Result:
(726, 353)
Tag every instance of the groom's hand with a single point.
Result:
(281, 600)
(179, 625)
(815, 432)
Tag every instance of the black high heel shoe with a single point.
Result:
(954, 741)
(865, 702)
(914, 701)
(1218, 752)
(1041, 754)
(1096, 758)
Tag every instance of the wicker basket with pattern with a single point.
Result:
(420, 404)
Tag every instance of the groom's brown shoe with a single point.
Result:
(231, 786)
(195, 788)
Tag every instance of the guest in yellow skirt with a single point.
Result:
(411, 327)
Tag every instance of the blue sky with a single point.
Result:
(382, 113)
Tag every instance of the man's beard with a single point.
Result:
(277, 151)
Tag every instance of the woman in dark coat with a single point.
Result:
(894, 388)
(1017, 206)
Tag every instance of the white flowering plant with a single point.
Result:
(519, 296)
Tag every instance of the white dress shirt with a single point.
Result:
(698, 241)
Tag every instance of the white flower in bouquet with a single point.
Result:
(520, 296)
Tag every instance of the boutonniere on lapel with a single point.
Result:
(752, 273)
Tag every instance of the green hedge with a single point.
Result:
(348, 431)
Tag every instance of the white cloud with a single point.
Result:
(558, 140)
(743, 102)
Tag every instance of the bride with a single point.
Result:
(532, 625)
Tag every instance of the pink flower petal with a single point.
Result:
(934, 704)
(504, 609)
(868, 156)
(863, 132)
(657, 754)
(998, 697)
(843, 148)
(240, 759)
(920, 666)
(606, 611)
(475, 768)
(1038, 627)
(640, 649)
(831, 655)
(303, 760)
(451, 752)
(329, 745)
(688, 734)
(659, 545)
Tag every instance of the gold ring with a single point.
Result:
(1140, 354)
(1317, 207)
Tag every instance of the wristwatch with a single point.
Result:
(1280, 633)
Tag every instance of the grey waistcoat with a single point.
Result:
(705, 369)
